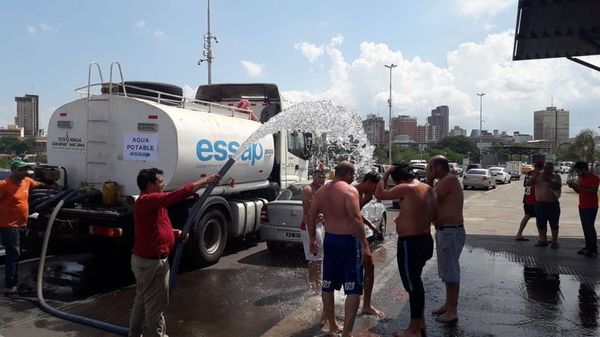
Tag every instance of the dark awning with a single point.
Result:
(557, 28)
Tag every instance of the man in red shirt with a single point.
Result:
(154, 240)
(14, 210)
(587, 188)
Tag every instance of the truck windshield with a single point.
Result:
(299, 144)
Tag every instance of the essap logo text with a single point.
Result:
(221, 150)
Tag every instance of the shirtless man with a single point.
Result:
(418, 208)
(366, 190)
(344, 243)
(449, 235)
(315, 261)
(547, 209)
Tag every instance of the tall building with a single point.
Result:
(428, 133)
(458, 131)
(28, 114)
(440, 118)
(375, 129)
(404, 125)
(551, 124)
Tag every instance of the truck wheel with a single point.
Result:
(275, 247)
(209, 238)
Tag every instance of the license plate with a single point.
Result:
(291, 235)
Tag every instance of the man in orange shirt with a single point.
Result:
(14, 207)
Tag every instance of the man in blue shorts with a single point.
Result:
(346, 249)
(449, 233)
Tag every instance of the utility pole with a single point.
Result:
(480, 127)
(208, 38)
(390, 66)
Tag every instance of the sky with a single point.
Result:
(446, 52)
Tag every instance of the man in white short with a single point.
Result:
(314, 260)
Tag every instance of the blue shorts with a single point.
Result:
(342, 264)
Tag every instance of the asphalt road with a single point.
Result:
(252, 292)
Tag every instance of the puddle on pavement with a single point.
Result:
(503, 298)
(75, 277)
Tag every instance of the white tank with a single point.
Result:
(112, 137)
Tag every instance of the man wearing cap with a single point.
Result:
(14, 207)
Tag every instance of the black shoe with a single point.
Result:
(582, 251)
(591, 253)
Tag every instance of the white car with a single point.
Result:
(501, 174)
(281, 218)
(478, 177)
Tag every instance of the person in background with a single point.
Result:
(587, 188)
(154, 238)
(366, 191)
(269, 111)
(547, 208)
(245, 106)
(528, 201)
(14, 212)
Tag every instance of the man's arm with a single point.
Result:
(554, 182)
(306, 201)
(381, 192)
(352, 208)
(166, 199)
(442, 190)
(311, 224)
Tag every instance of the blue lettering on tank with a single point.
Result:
(221, 150)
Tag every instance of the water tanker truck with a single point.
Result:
(99, 143)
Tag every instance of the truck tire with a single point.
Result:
(208, 239)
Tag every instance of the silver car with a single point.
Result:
(281, 218)
(478, 177)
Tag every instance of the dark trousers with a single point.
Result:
(588, 217)
(413, 253)
(10, 240)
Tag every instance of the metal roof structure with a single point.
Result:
(557, 28)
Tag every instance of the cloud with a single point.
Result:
(140, 24)
(253, 69)
(336, 40)
(311, 51)
(159, 34)
(42, 27)
(479, 8)
(46, 27)
(513, 89)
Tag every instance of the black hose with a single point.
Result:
(119, 330)
(192, 219)
(52, 199)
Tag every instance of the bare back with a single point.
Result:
(339, 204)
(450, 200)
(418, 208)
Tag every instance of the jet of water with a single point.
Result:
(341, 127)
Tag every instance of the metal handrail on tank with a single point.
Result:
(90, 76)
(110, 79)
(180, 102)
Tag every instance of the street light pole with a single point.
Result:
(480, 127)
(390, 66)
(208, 39)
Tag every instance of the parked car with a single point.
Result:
(281, 218)
(472, 166)
(479, 178)
(456, 169)
(501, 174)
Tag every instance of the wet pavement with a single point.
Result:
(508, 288)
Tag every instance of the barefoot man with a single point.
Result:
(449, 235)
(366, 190)
(415, 245)
(345, 244)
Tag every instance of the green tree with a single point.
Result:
(458, 144)
(582, 148)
